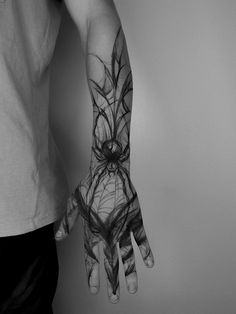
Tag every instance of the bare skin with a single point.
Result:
(106, 198)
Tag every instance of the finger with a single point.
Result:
(128, 259)
(142, 240)
(91, 250)
(68, 219)
(92, 269)
(111, 263)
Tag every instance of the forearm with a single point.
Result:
(110, 84)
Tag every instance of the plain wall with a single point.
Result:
(183, 156)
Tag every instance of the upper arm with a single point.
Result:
(87, 12)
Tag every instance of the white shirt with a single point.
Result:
(33, 187)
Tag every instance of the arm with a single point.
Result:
(106, 198)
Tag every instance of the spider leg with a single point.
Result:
(97, 180)
(93, 180)
(98, 153)
(123, 179)
(125, 154)
(127, 177)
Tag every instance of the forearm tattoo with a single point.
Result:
(112, 110)
(107, 199)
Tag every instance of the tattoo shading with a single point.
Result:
(106, 198)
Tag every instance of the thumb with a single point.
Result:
(70, 216)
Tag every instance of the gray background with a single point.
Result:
(183, 158)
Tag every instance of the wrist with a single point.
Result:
(110, 157)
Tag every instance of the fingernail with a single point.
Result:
(58, 234)
(94, 290)
(114, 298)
(132, 288)
(149, 262)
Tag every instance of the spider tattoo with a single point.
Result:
(108, 200)
(111, 155)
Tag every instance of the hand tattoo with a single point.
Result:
(106, 198)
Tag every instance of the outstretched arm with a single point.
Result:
(106, 198)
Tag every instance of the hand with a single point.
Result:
(110, 210)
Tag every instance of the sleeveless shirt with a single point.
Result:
(33, 187)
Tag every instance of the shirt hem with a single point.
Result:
(20, 227)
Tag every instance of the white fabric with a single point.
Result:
(33, 187)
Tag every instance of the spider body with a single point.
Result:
(111, 154)
(112, 151)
